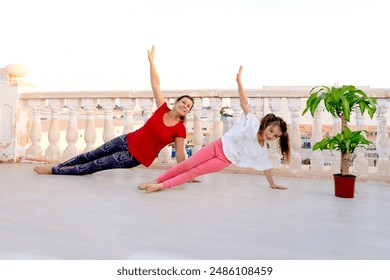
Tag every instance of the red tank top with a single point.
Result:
(145, 143)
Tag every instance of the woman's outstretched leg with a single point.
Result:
(110, 155)
(110, 147)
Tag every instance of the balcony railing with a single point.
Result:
(41, 126)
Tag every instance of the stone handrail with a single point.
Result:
(24, 112)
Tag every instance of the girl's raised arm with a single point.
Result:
(155, 80)
(241, 92)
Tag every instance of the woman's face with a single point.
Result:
(272, 132)
(183, 106)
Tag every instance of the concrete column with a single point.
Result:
(14, 121)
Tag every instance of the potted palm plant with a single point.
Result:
(340, 102)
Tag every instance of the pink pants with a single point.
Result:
(207, 160)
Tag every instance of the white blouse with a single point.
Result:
(241, 147)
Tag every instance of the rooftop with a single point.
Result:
(226, 216)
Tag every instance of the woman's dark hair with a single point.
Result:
(183, 118)
(284, 141)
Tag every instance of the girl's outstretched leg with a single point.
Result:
(207, 160)
(154, 187)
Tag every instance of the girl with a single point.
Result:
(244, 145)
(139, 147)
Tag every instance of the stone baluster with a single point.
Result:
(89, 106)
(197, 135)
(137, 108)
(336, 155)
(294, 105)
(257, 106)
(35, 151)
(128, 105)
(235, 105)
(216, 104)
(53, 150)
(382, 138)
(275, 105)
(360, 164)
(108, 105)
(317, 160)
(165, 155)
(72, 134)
(147, 107)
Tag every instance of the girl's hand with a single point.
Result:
(238, 77)
(151, 54)
(277, 187)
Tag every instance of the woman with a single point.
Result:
(243, 145)
(139, 147)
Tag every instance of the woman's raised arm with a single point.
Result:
(155, 80)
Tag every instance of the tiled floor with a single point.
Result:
(226, 216)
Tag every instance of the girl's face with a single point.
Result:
(183, 106)
(272, 133)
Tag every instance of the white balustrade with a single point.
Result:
(108, 105)
(72, 134)
(336, 155)
(35, 150)
(216, 105)
(257, 106)
(128, 105)
(275, 104)
(89, 106)
(360, 163)
(41, 114)
(382, 139)
(53, 151)
(317, 160)
(294, 105)
(147, 105)
(197, 134)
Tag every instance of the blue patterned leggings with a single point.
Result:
(110, 155)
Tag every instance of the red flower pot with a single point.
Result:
(344, 186)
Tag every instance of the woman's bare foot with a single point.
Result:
(143, 186)
(43, 169)
(154, 187)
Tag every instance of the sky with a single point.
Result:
(200, 44)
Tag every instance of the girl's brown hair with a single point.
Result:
(284, 141)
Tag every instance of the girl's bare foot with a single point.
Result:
(143, 186)
(43, 169)
(154, 187)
